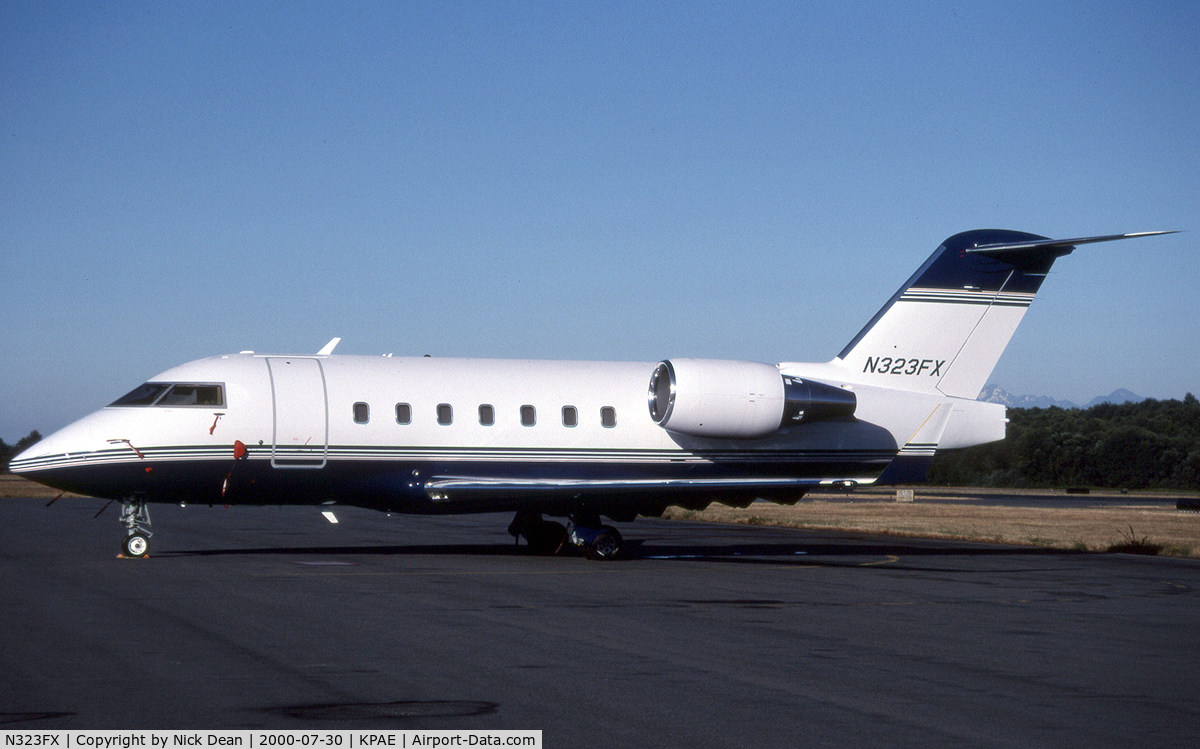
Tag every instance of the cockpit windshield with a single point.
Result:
(174, 395)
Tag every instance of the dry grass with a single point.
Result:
(1084, 528)
(15, 486)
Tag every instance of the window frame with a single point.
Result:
(366, 412)
(408, 419)
(604, 421)
(155, 400)
(528, 417)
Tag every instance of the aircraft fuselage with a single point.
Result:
(386, 432)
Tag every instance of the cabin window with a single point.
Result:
(445, 414)
(608, 417)
(570, 416)
(362, 413)
(487, 415)
(403, 413)
(528, 416)
(204, 395)
(142, 395)
(192, 395)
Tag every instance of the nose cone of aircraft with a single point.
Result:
(35, 456)
(19, 463)
(72, 438)
(37, 462)
(60, 460)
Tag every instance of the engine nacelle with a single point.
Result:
(735, 399)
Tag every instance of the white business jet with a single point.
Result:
(570, 439)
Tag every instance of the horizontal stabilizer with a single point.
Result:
(1057, 244)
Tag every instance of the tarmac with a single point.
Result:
(704, 635)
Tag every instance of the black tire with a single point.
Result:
(548, 538)
(606, 545)
(135, 545)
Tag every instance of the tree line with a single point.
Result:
(1149, 445)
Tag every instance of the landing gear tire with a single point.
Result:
(547, 538)
(605, 545)
(135, 545)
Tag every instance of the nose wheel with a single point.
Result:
(135, 516)
(135, 545)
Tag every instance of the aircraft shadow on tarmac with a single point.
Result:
(848, 553)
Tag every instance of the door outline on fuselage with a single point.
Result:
(295, 382)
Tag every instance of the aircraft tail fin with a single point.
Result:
(945, 329)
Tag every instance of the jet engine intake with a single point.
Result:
(736, 399)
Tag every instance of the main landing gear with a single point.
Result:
(597, 543)
(135, 516)
(548, 537)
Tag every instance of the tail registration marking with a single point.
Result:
(890, 365)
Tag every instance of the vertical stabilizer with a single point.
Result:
(945, 329)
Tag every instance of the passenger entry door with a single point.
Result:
(301, 424)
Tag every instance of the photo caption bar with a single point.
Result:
(260, 739)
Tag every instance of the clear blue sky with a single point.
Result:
(580, 180)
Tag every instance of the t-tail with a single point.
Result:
(945, 329)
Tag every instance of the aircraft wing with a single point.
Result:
(451, 488)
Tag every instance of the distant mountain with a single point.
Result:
(993, 393)
(1120, 395)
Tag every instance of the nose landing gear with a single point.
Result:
(135, 516)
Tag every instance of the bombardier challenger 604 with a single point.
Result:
(577, 440)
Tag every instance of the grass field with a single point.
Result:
(1149, 525)
(15, 486)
